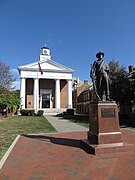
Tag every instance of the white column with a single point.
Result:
(22, 92)
(36, 94)
(57, 93)
(69, 93)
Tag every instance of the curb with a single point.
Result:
(4, 158)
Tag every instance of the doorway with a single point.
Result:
(45, 98)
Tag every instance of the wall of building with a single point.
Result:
(63, 94)
(78, 91)
(48, 84)
(83, 101)
(29, 93)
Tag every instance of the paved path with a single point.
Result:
(64, 125)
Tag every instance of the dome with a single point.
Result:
(45, 46)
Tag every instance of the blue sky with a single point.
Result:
(75, 30)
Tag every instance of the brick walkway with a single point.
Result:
(60, 157)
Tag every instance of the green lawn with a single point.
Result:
(17, 125)
(79, 119)
(82, 123)
(84, 120)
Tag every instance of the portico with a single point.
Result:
(52, 89)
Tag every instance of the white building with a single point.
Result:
(48, 91)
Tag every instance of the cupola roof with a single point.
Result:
(45, 46)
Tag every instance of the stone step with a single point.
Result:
(53, 111)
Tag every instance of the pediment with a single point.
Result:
(47, 65)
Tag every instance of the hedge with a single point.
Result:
(70, 111)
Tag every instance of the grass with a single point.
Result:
(84, 121)
(17, 125)
(79, 119)
(126, 126)
(127, 123)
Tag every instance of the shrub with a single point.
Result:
(35, 114)
(70, 111)
(24, 112)
(31, 112)
(64, 113)
(3, 112)
(40, 113)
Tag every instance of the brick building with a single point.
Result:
(80, 95)
(84, 99)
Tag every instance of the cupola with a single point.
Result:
(45, 53)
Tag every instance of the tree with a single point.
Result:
(9, 100)
(117, 72)
(131, 87)
(6, 78)
(118, 80)
(8, 97)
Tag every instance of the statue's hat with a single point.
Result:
(97, 55)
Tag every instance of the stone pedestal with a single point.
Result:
(104, 134)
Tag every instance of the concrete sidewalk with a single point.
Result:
(64, 125)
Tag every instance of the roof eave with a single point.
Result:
(45, 70)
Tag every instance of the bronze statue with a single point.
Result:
(100, 78)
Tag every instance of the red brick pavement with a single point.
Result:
(60, 157)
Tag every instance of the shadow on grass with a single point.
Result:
(127, 122)
(75, 118)
(84, 119)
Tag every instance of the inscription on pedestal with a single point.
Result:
(108, 112)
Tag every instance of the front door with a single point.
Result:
(45, 100)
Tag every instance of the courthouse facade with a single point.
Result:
(45, 84)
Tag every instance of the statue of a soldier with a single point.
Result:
(99, 74)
